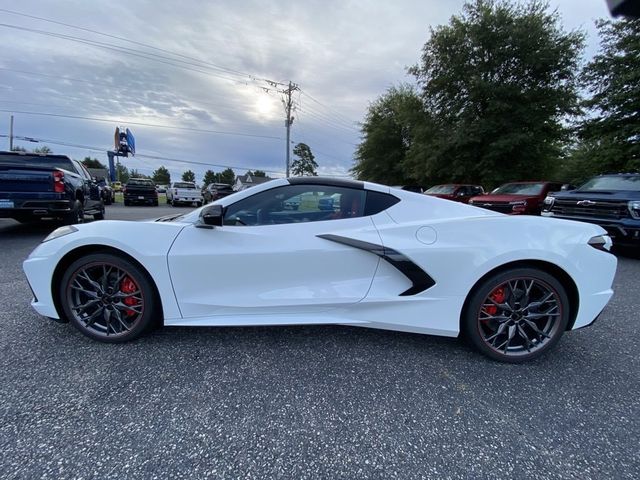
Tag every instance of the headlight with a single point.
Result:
(548, 203)
(634, 208)
(60, 232)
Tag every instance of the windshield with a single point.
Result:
(139, 181)
(616, 183)
(519, 189)
(442, 189)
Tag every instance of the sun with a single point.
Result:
(265, 106)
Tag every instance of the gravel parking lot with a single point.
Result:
(308, 402)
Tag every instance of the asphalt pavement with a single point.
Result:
(308, 402)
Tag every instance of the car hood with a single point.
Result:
(597, 195)
(504, 198)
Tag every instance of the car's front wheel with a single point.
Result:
(516, 315)
(108, 298)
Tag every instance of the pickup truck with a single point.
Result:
(517, 198)
(35, 186)
(183, 192)
(140, 190)
(611, 201)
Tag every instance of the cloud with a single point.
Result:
(343, 54)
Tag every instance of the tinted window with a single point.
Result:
(519, 189)
(296, 204)
(442, 189)
(613, 183)
(377, 202)
(183, 185)
(50, 162)
(140, 181)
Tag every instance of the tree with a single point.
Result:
(305, 163)
(18, 148)
(497, 85)
(161, 176)
(44, 150)
(611, 133)
(209, 177)
(122, 173)
(228, 176)
(259, 173)
(188, 176)
(93, 163)
(388, 133)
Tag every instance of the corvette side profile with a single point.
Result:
(350, 253)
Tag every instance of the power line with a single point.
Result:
(338, 114)
(115, 120)
(155, 157)
(212, 65)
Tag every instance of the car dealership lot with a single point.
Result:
(308, 402)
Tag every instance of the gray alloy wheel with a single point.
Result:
(517, 315)
(107, 298)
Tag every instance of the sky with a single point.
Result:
(201, 75)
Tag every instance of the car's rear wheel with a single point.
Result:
(76, 215)
(108, 298)
(516, 315)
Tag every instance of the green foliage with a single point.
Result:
(388, 131)
(610, 136)
(188, 176)
(259, 173)
(18, 148)
(136, 174)
(497, 84)
(122, 173)
(209, 177)
(161, 176)
(228, 176)
(305, 164)
(44, 149)
(93, 163)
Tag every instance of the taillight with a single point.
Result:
(58, 182)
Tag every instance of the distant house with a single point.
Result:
(245, 181)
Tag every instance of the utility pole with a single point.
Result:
(288, 105)
(11, 135)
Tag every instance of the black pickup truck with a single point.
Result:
(140, 190)
(35, 186)
(611, 201)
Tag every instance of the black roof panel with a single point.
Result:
(329, 181)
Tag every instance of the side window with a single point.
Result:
(83, 171)
(377, 202)
(296, 204)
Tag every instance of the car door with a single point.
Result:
(268, 258)
(91, 189)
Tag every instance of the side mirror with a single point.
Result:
(212, 216)
(461, 194)
(567, 187)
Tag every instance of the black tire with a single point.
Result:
(92, 320)
(100, 215)
(76, 215)
(168, 202)
(127, 203)
(155, 203)
(503, 317)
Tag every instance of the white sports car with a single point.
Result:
(349, 252)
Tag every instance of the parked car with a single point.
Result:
(611, 201)
(161, 188)
(106, 192)
(215, 191)
(184, 192)
(117, 186)
(140, 190)
(35, 186)
(517, 198)
(382, 259)
(456, 192)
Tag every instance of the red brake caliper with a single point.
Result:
(128, 286)
(497, 296)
